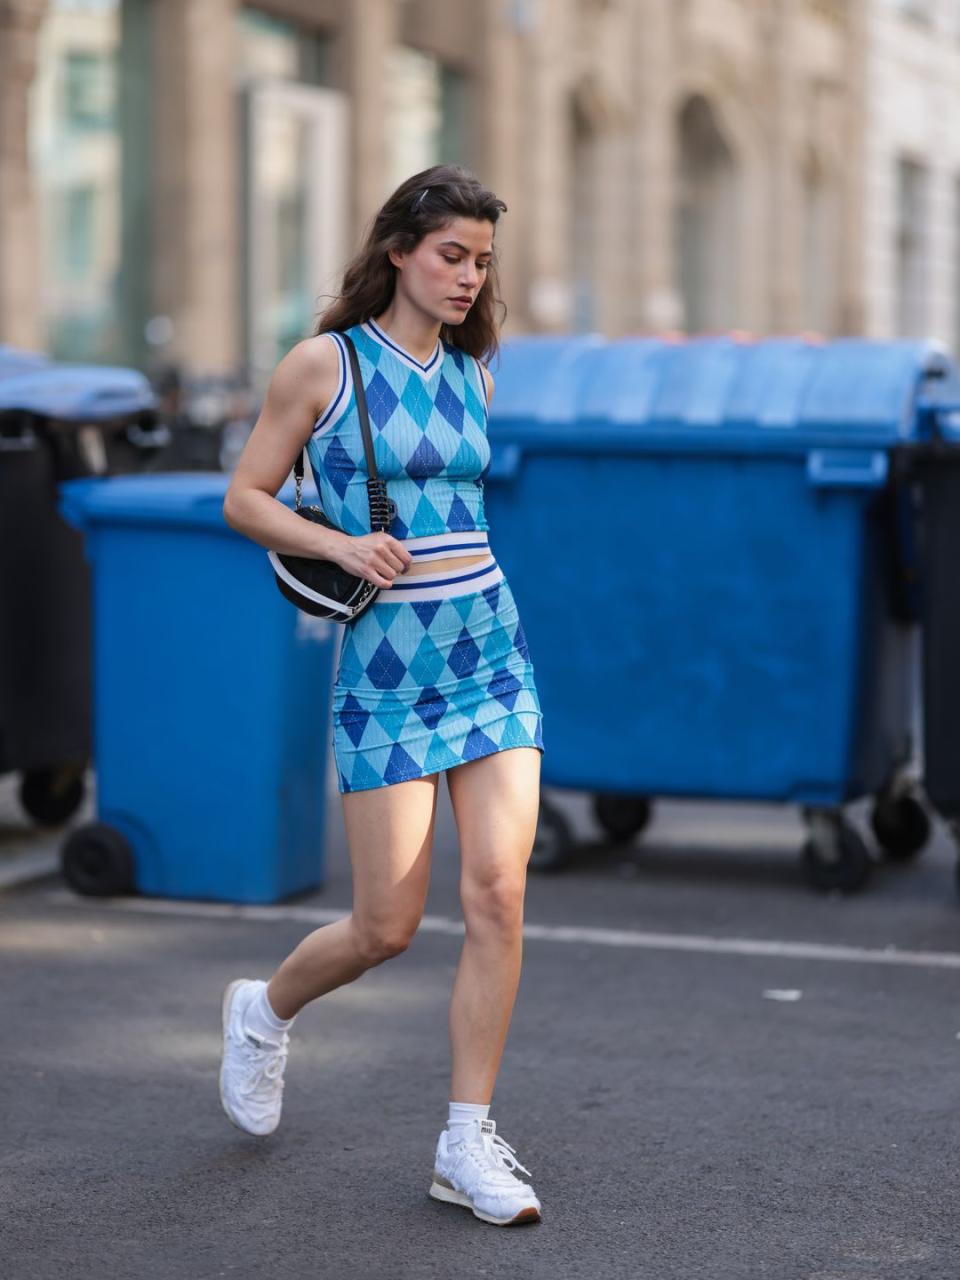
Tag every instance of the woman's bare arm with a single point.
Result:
(303, 383)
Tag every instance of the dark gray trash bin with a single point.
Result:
(56, 422)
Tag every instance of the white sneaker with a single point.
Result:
(476, 1173)
(251, 1070)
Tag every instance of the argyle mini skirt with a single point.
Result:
(436, 672)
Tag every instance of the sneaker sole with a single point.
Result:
(224, 1008)
(442, 1190)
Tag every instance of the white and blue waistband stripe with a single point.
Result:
(443, 546)
(443, 584)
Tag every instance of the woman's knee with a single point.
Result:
(494, 902)
(379, 939)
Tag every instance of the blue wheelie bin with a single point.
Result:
(211, 702)
(56, 421)
(705, 541)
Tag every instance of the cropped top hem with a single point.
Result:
(442, 546)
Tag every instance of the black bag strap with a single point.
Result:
(382, 508)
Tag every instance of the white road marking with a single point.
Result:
(576, 934)
(25, 865)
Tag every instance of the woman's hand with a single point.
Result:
(378, 557)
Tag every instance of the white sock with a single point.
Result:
(261, 1019)
(461, 1114)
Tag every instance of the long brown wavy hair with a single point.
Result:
(424, 203)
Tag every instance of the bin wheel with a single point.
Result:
(621, 816)
(901, 824)
(51, 796)
(553, 843)
(97, 861)
(835, 856)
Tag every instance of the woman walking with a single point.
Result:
(435, 677)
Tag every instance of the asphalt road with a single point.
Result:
(711, 1072)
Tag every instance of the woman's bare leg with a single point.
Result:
(495, 801)
(390, 835)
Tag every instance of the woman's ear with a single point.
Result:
(396, 258)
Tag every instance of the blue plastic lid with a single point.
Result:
(772, 394)
(80, 393)
(15, 361)
(184, 498)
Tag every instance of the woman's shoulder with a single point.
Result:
(318, 365)
(316, 357)
(328, 350)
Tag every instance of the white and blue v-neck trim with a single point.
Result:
(340, 403)
(373, 330)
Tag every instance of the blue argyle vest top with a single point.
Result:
(429, 428)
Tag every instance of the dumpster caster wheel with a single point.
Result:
(51, 796)
(553, 842)
(97, 861)
(621, 816)
(835, 856)
(901, 824)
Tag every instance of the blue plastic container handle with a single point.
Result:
(846, 469)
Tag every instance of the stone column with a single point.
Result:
(197, 204)
(654, 302)
(546, 111)
(20, 319)
(367, 33)
(497, 148)
(604, 95)
(786, 209)
(853, 282)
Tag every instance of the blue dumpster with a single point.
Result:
(211, 702)
(702, 536)
(56, 421)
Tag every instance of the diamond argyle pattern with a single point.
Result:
(430, 442)
(423, 687)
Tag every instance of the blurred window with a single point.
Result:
(78, 231)
(88, 87)
(821, 273)
(426, 114)
(585, 184)
(911, 248)
(706, 221)
(272, 48)
(75, 160)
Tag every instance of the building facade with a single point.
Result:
(911, 226)
(184, 179)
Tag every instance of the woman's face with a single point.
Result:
(446, 271)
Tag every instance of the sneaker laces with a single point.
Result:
(268, 1069)
(499, 1153)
